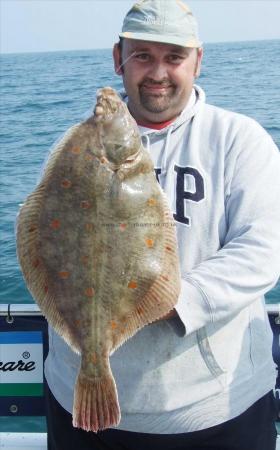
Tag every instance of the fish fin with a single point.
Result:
(159, 301)
(28, 253)
(96, 405)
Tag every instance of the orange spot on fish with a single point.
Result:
(55, 224)
(63, 274)
(132, 285)
(46, 289)
(94, 358)
(113, 325)
(85, 204)
(168, 248)
(88, 157)
(152, 201)
(123, 226)
(89, 292)
(66, 184)
(89, 227)
(102, 159)
(85, 260)
(32, 228)
(36, 263)
(76, 150)
(149, 242)
(165, 278)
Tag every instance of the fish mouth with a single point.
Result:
(133, 160)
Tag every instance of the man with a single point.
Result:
(202, 377)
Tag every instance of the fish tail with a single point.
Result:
(96, 405)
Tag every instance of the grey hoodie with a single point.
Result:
(220, 171)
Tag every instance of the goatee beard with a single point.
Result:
(156, 103)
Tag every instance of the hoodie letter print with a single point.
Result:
(189, 186)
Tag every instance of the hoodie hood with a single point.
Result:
(196, 100)
(149, 135)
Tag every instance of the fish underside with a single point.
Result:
(97, 247)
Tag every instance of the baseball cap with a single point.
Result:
(166, 21)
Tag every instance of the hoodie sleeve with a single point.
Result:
(248, 263)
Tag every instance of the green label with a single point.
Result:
(21, 390)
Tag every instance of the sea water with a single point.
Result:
(43, 94)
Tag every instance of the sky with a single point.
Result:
(51, 25)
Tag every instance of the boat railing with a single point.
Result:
(32, 309)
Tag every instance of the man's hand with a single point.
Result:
(172, 313)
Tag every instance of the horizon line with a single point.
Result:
(111, 48)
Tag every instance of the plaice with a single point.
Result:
(96, 244)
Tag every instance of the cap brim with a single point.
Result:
(164, 39)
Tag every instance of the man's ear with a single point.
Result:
(117, 59)
(198, 62)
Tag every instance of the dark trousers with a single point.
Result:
(252, 430)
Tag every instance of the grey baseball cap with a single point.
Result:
(166, 21)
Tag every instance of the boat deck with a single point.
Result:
(36, 441)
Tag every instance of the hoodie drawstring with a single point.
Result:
(165, 150)
(197, 98)
(145, 137)
(147, 146)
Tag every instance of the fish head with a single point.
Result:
(118, 130)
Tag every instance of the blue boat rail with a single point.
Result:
(23, 349)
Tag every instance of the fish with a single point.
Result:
(97, 247)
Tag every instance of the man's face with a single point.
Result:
(158, 78)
